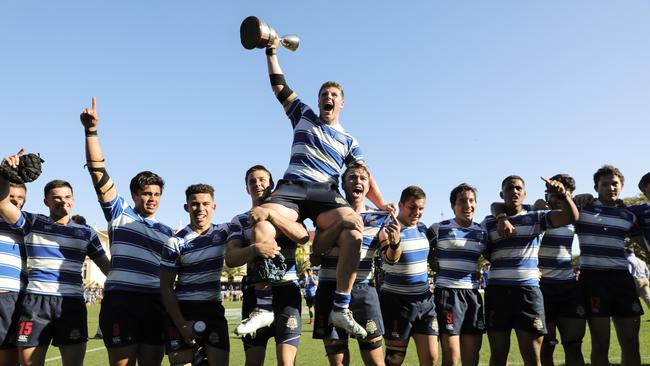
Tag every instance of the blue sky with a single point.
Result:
(437, 93)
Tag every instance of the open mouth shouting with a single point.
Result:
(328, 106)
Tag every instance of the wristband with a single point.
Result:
(270, 51)
(91, 133)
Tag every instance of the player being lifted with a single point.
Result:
(309, 189)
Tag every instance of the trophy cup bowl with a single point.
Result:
(255, 33)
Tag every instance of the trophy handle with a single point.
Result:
(290, 42)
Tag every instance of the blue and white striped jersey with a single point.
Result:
(555, 255)
(409, 276)
(514, 260)
(319, 151)
(601, 231)
(136, 244)
(642, 213)
(56, 254)
(373, 221)
(13, 269)
(198, 262)
(288, 248)
(457, 250)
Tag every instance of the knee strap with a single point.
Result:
(370, 345)
(336, 348)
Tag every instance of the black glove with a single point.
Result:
(268, 269)
(27, 171)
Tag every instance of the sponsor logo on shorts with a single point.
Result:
(75, 334)
(636, 307)
(292, 322)
(595, 304)
(434, 324)
(22, 338)
(480, 325)
(116, 340)
(580, 310)
(538, 324)
(371, 326)
(174, 344)
(214, 338)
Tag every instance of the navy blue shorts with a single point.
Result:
(515, 307)
(364, 306)
(405, 315)
(610, 293)
(45, 318)
(127, 318)
(310, 300)
(287, 307)
(9, 313)
(210, 312)
(562, 300)
(309, 200)
(460, 311)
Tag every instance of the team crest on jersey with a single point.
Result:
(580, 310)
(75, 334)
(371, 326)
(214, 338)
(292, 322)
(636, 307)
(538, 324)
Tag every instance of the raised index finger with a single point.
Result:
(21, 151)
(94, 104)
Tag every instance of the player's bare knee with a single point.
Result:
(395, 357)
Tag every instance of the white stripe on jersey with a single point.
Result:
(373, 222)
(410, 274)
(187, 253)
(457, 251)
(135, 267)
(601, 231)
(56, 253)
(555, 254)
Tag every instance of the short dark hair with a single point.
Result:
(146, 178)
(644, 181)
(608, 169)
(199, 188)
(412, 191)
(333, 84)
(255, 168)
(567, 181)
(57, 183)
(463, 187)
(512, 177)
(354, 166)
(18, 185)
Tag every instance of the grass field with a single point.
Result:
(310, 351)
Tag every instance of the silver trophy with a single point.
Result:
(254, 33)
